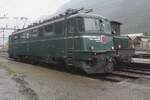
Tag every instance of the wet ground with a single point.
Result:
(20, 81)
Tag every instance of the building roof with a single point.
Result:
(134, 35)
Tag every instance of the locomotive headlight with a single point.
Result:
(119, 46)
(91, 48)
(112, 48)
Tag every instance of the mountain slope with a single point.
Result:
(134, 14)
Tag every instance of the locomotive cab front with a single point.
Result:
(92, 45)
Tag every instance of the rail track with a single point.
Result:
(117, 76)
(125, 73)
(131, 72)
(121, 72)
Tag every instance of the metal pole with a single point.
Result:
(3, 38)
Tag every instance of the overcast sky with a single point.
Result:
(33, 9)
(29, 8)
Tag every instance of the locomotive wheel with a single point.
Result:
(70, 69)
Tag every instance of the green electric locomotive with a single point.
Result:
(79, 40)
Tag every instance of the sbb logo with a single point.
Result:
(103, 39)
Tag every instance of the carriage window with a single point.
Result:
(59, 28)
(48, 30)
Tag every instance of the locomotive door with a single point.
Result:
(69, 38)
(10, 49)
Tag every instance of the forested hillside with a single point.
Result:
(134, 14)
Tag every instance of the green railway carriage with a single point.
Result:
(81, 40)
(122, 45)
(124, 51)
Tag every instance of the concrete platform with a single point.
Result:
(141, 60)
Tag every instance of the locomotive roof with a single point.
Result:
(116, 22)
(85, 15)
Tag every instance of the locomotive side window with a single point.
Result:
(41, 31)
(80, 25)
(48, 30)
(23, 36)
(107, 27)
(34, 33)
(71, 26)
(15, 37)
(27, 35)
(58, 28)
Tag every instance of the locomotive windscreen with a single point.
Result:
(94, 25)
